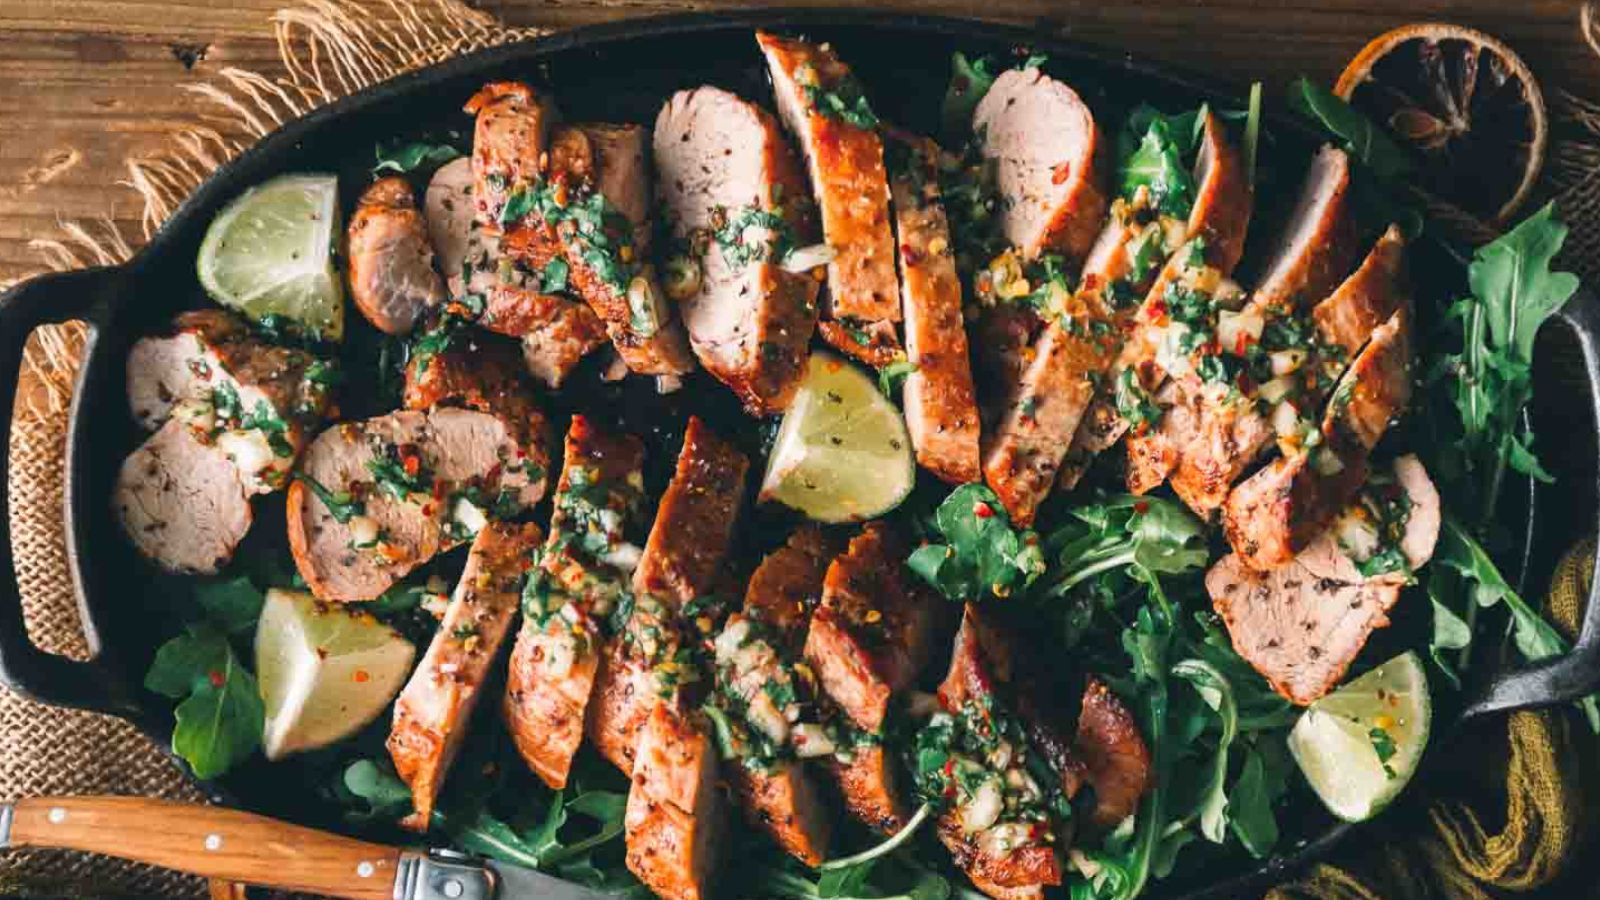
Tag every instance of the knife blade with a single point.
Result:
(215, 842)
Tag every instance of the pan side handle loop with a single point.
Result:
(1575, 674)
(46, 677)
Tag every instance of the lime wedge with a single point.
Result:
(270, 252)
(842, 453)
(1361, 744)
(324, 671)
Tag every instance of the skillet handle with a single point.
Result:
(1576, 674)
(26, 669)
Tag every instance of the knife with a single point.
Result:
(238, 846)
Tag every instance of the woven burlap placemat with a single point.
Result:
(328, 48)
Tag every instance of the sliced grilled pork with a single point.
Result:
(1272, 515)
(940, 401)
(1302, 624)
(509, 142)
(996, 821)
(389, 258)
(736, 203)
(695, 519)
(676, 820)
(556, 332)
(449, 213)
(1041, 425)
(1231, 435)
(581, 578)
(1114, 754)
(377, 498)
(1052, 162)
(821, 102)
(1318, 245)
(682, 560)
(756, 653)
(591, 212)
(182, 502)
(869, 638)
(432, 714)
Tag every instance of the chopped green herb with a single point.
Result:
(341, 505)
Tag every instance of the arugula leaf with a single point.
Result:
(1365, 142)
(220, 718)
(1150, 533)
(233, 604)
(413, 156)
(1250, 807)
(893, 375)
(1215, 689)
(982, 553)
(385, 796)
(1153, 147)
(1533, 637)
(970, 80)
(1519, 291)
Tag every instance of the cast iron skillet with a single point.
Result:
(621, 71)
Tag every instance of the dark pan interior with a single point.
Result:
(623, 73)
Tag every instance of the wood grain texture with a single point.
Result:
(86, 83)
(210, 841)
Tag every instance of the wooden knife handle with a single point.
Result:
(209, 841)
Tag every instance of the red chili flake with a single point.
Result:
(1241, 343)
(361, 676)
(910, 254)
(216, 678)
(982, 510)
(1141, 506)
(1060, 173)
(427, 509)
(1091, 281)
(1157, 310)
(412, 465)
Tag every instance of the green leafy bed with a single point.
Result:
(1116, 581)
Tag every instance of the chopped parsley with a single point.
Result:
(1383, 745)
(844, 101)
(554, 277)
(600, 234)
(399, 472)
(342, 505)
(750, 234)
(1134, 404)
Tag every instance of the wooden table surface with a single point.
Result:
(86, 83)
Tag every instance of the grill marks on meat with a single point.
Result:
(181, 501)
(232, 414)
(676, 820)
(433, 711)
(941, 406)
(1041, 426)
(556, 659)
(869, 638)
(722, 161)
(1052, 162)
(695, 519)
(389, 258)
(845, 162)
(1347, 317)
(1272, 515)
(459, 449)
(1302, 624)
(480, 372)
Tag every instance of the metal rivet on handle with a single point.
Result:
(453, 888)
(366, 869)
(57, 815)
(213, 842)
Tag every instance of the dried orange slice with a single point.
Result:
(1465, 102)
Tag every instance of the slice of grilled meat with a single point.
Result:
(1052, 162)
(389, 258)
(676, 821)
(377, 498)
(870, 637)
(736, 203)
(182, 502)
(511, 134)
(1272, 515)
(590, 213)
(434, 710)
(940, 401)
(582, 577)
(820, 101)
(695, 518)
(1301, 625)
(1318, 246)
